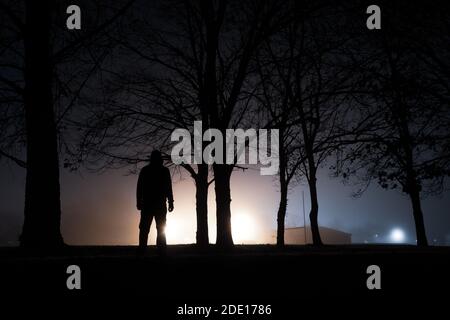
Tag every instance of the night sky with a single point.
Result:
(100, 208)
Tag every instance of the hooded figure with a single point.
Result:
(154, 190)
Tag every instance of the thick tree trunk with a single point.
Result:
(314, 213)
(41, 226)
(201, 183)
(222, 175)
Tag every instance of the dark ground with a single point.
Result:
(248, 274)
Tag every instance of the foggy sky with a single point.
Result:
(100, 209)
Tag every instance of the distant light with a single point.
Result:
(397, 235)
(243, 227)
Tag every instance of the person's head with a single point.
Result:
(156, 158)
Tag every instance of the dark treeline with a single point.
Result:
(367, 105)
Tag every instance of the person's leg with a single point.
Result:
(144, 229)
(160, 218)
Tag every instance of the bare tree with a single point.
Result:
(305, 70)
(233, 34)
(30, 86)
(406, 145)
(277, 112)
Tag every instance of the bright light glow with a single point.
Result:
(173, 231)
(243, 228)
(397, 235)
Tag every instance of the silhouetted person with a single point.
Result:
(154, 188)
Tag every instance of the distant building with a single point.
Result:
(329, 236)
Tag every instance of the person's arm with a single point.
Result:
(140, 190)
(169, 190)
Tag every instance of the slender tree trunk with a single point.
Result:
(413, 188)
(418, 219)
(41, 226)
(281, 215)
(201, 196)
(222, 175)
(314, 213)
(414, 195)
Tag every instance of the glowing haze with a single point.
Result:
(101, 209)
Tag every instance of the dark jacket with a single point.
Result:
(154, 187)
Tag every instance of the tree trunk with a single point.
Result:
(41, 226)
(418, 219)
(414, 195)
(201, 183)
(222, 175)
(314, 213)
(281, 215)
(413, 187)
